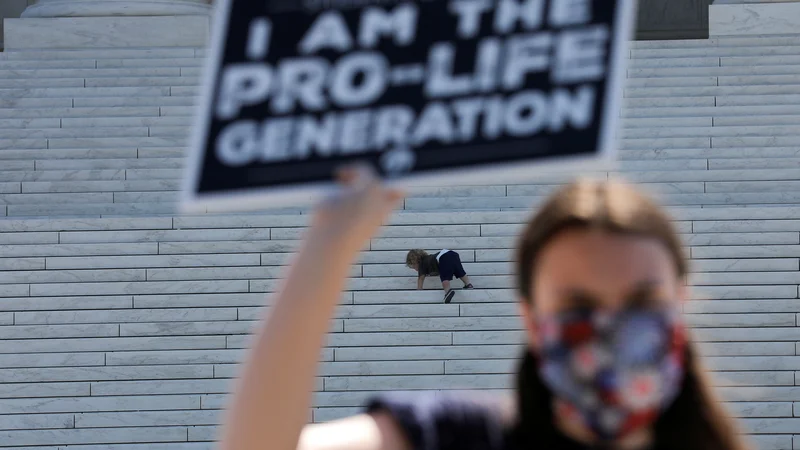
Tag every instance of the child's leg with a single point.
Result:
(446, 286)
(458, 271)
(446, 268)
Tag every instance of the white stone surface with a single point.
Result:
(101, 8)
(105, 32)
(754, 19)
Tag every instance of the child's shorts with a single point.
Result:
(449, 265)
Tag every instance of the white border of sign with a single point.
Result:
(306, 194)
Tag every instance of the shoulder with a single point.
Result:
(448, 421)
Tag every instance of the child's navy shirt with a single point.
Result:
(428, 265)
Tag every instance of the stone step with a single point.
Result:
(40, 74)
(666, 102)
(162, 102)
(183, 110)
(190, 91)
(141, 63)
(60, 175)
(756, 80)
(54, 198)
(706, 71)
(669, 131)
(182, 121)
(111, 53)
(89, 142)
(68, 154)
(126, 262)
(149, 62)
(659, 143)
(725, 51)
(22, 102)
(88, 237)
(154, 174)
(100, 404)
(747, 252)
(49, 64)
(711, 226)
(64, 113)
(706, 91)
(99, 186)
(720, 41)
(42, 83)
(88, 132)
(753, 163)
(780, 60)
(756, 100)
(687, 81)
(145, 81)
(10, 188)
(756, 213)
(716, 112)
(90, 210)
(30, 123)
(757, 120)
(704, 61)
(101, 164)
(741, 307)
(87, 92)
(707, 153)
(108, 436)
(753, 141)
(89, 82)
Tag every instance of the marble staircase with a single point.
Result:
(123, 323)
(103, 133)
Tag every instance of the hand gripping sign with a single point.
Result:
(429, 92)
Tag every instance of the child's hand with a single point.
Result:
(347, 220)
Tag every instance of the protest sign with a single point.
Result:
(428, 92)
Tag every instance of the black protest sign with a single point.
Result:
(297, 88)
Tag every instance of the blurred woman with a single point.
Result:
(601, 278)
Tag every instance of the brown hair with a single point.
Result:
(695, 419)
(415, 257)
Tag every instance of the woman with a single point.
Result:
(607, 365)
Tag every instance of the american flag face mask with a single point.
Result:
(615, 372)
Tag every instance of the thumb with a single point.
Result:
(391, 198)
(394, 195)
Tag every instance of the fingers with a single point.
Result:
(356, 175)
(394, 195)
(361, 178)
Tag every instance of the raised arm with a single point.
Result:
(273, 395)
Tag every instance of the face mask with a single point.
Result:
(614, 372)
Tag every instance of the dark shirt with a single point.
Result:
(440, 421)
(428, 266)
(459, 421)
